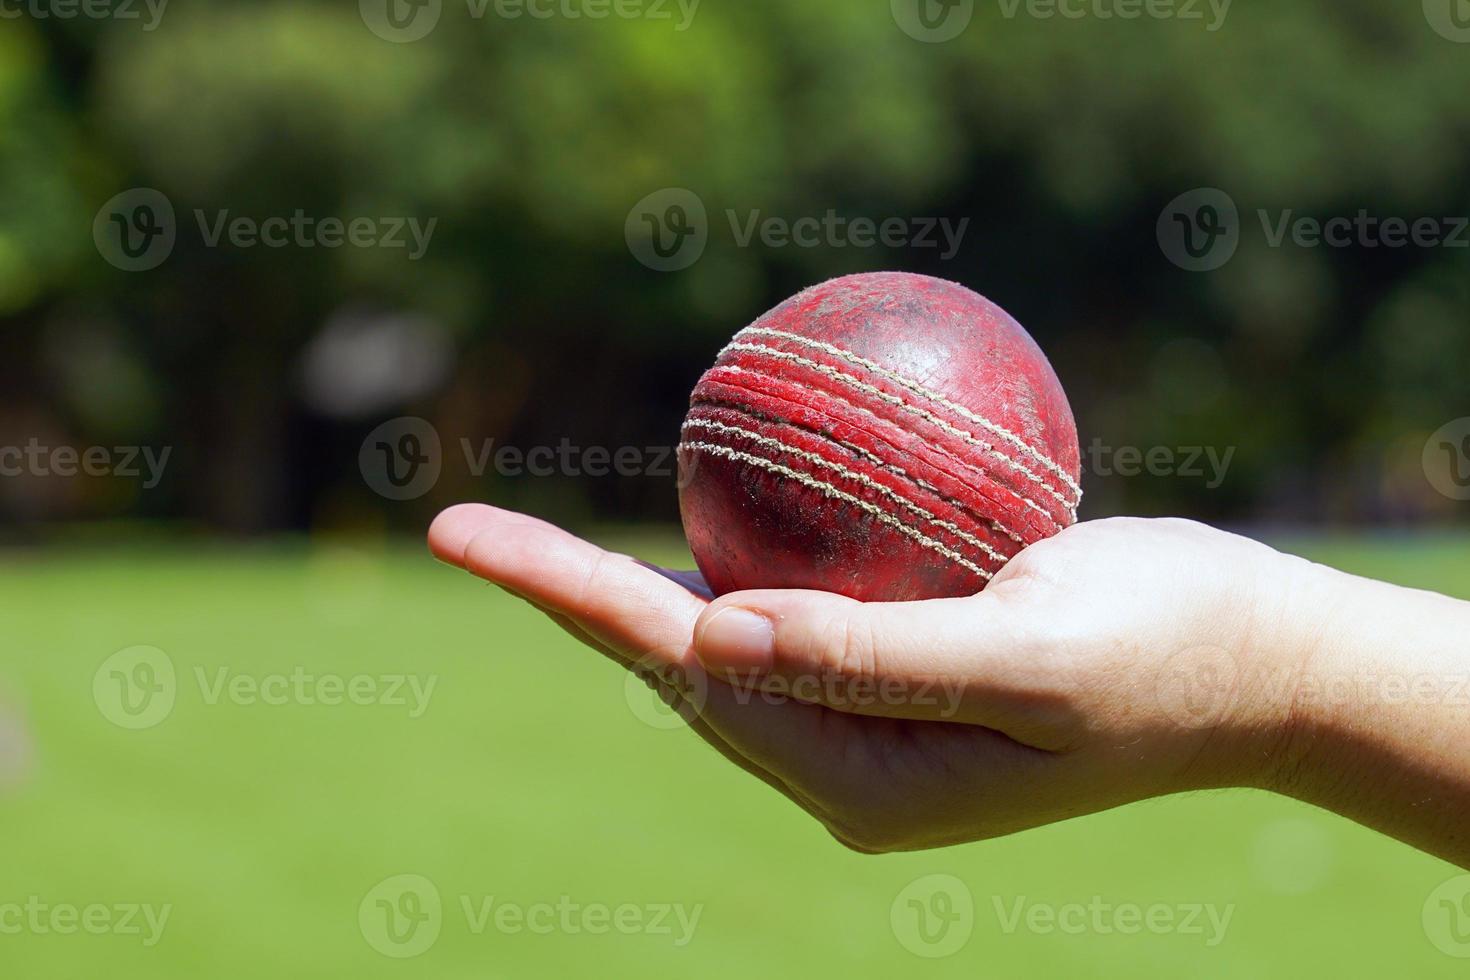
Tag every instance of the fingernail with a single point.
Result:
(737, 639)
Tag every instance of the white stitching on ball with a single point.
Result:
(818, 460)
(828, 490)
(926, 392)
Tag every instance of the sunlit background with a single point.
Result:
(280, 280)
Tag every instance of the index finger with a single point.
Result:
(644, 617)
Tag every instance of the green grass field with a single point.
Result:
(528, 778)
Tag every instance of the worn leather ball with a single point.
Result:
(885, 436)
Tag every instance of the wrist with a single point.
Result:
(1276, 662)
(1300, 689)
(1379, 681)
(1259, 639)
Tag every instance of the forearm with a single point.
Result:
(1379, 719)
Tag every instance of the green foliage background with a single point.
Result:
(529, 140)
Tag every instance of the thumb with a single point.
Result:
(933, 660)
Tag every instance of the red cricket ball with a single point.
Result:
(884, 436)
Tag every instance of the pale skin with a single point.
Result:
(1121, 660)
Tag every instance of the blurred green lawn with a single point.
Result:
(529, 778)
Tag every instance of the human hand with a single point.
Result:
(1064, 688)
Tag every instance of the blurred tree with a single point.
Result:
(527, 141)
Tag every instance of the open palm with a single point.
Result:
(851, 772)
(949, 720)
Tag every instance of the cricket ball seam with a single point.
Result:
(853, 381)
(926, 392)
(967, 508)
(938, 448)
(985, 481)
(860, 478)
(828, 490)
